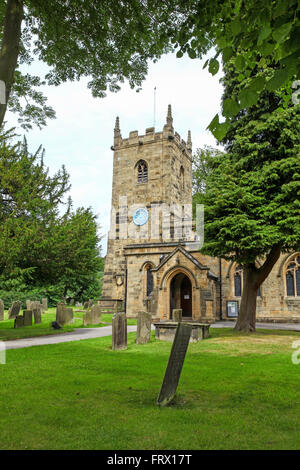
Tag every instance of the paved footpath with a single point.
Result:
(89, 333)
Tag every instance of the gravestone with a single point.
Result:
(64, 314)
(71, 302)
(177, 315)
(119, 331)
(14, 309)
(143, 327)
(86, 305)
(45, 304)
(92, 316)
(27, 315)
(1, 310)
(37, 315)
(19, 321)
(90, 303)
(175, 363)
(28, 304)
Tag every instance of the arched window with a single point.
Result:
(238, 281)
(181, 178)
(142, 171)
(149, 281)
(292, 276)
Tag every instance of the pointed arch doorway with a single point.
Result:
(181, 295)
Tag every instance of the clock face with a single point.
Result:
(141, 216)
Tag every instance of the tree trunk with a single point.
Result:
(247, 313)
(10, 48)
(253, 278)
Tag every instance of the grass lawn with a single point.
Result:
(236, 391)
(8, 332)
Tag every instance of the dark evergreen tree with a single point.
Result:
(252, 211)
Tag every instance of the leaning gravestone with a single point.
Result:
(177, 315)
(92, 316)
(19, 321)
(143, 328)
(64, 315)
(119, 331)
(27, 315)
(14, 310)
(37, 315)
(175, 363)
(1, 310)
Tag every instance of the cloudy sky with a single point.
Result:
(81, 136)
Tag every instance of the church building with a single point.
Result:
(153, 259)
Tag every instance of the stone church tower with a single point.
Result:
(148, 171)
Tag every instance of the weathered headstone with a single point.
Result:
(119, 331)
(92, 316)
(37, 315)
(27, 315)
(1, 310)
(90, 303)
(177, 315)
(64, 315)
(175, 363)
(143, 327)
(86, 305)
(14, 309)
(71, 302)
(19, 321)
(28, 304)
(45, 304)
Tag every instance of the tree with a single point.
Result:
(242, 30)
(42, 246)
(112, 40)
(252, 197)
(106, 41)
(204, 161)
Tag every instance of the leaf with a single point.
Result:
(227, 53)
(192, 54)
(179, 54)
(265, 32)
(219, 130)
(230, 107)
(213, 66)
(239, 62)
(236, 26)
(248, 97)
(282, 32)
(257, 84)
(206, 63)
(279, 78)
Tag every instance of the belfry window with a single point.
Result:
(142, 172)
(292, 276)
(181, 178)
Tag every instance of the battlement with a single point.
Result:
(151, 136)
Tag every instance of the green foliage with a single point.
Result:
(252, 197)
(106, 41)
(254, 32)
(43, 252)
(204, 160)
